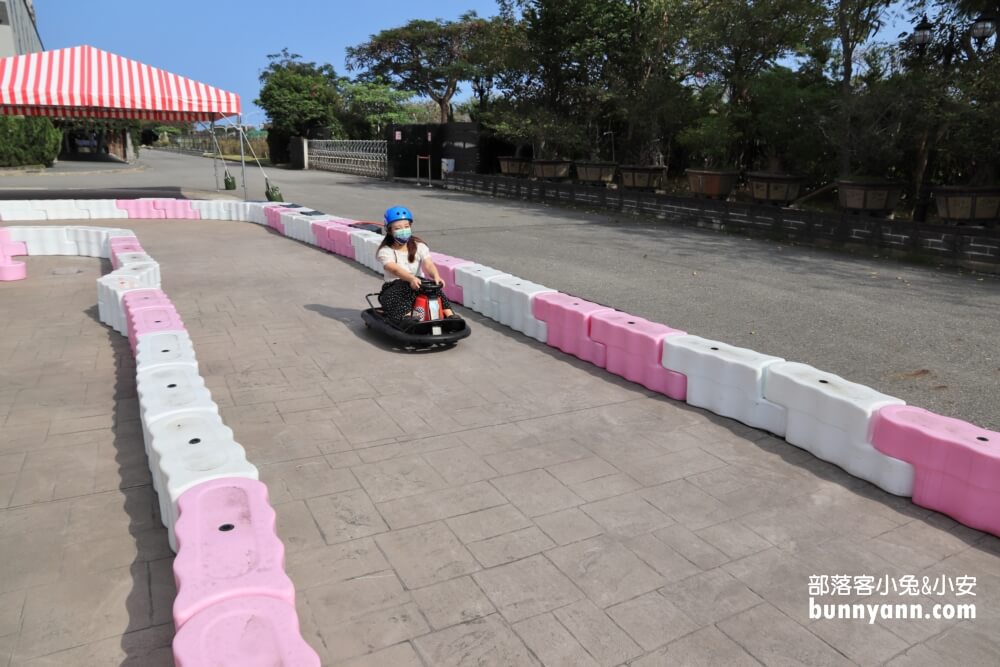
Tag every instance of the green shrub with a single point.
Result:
(26, 140)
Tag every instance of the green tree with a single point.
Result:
(950, 122)
(851, 23)
(27, 140)
(730, 43)
(423, 57)
(555, 79)
(791, 120)
(300, 98)
(370, 106)
(647, 103)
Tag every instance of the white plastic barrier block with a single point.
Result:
(511, 297)
(44, 240)
(112, 286)
(90, 241)
(299, 227)
(832, 418)
(60, 209)
(255, 212)
(164, 348)
(214, 209)
(147, 270)
(474, 280)
(127, 258)
(366, 245)
(239, 210)
(725, 379)
(14, 210)
(101, 208)
(167, 391)
(196, 427)
(109, 290)
(188, 449)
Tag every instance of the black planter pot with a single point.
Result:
(869, 195)
(774, 188)
(713, 183)
(514, 166)
(551, 170)
(968, 204)
(596, 172)
(638, 177)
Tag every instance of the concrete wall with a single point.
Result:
(18, 30)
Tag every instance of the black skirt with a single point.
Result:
(397, 299)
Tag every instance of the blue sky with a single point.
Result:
(225, 44)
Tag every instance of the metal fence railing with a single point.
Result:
(361, 157)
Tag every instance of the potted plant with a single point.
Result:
(511, 165)
(873, 186)
(595, 171)
(968, 157)
(549, 135)
(643, 177)
(785, 112)
(556, 169)
(710, 141)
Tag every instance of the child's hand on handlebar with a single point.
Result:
(414, 283)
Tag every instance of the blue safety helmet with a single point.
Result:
(397, 213)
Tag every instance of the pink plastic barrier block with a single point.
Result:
(322, 230)
(227, 547)
(340, 240)
(150, 319)
(273, 216)
(567, 320)
(446, 267)
(635, 351)
(956, 464)
(115, 241)
(177, 209)
(244, 632)
(319, 230)
(146, 296)
(141, 208)
(9, 269)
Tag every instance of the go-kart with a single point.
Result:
(430, 330)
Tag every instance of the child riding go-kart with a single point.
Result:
(413, 308)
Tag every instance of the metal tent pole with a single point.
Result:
(215, 161)
(243, 162)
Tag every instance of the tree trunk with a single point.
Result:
(443, 105)
(919, 170)
(847, 52)
(929, 138)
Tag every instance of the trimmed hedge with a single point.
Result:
(26, 140)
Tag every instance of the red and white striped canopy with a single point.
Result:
(84, 82)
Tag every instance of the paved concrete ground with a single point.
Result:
(927, 336)
(494, 504)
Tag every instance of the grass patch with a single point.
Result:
(236, 158)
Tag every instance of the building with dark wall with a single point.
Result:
(18, 28)
(472, 150)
